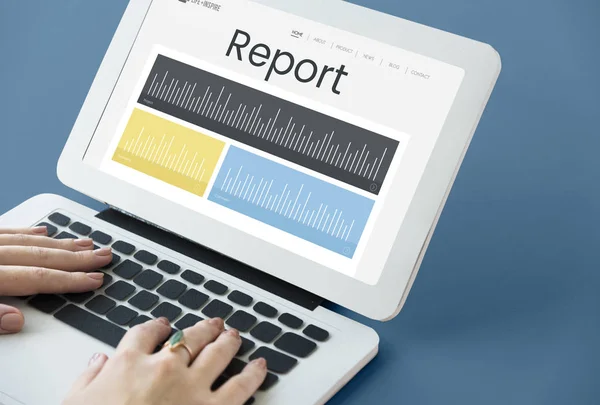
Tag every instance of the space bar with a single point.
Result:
(90, 324)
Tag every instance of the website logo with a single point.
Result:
(204, 3)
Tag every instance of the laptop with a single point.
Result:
(255, 162)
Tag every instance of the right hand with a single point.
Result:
(31, 263)
(136, 375)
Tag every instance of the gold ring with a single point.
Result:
(176, 341)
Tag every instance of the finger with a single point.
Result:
(36, 230)
(11, 320)
(54, 258)
(196, 338)
(73, 245)
(216, 356)
(240, 388)
(95, 365)
(146, 337)
(21, 281)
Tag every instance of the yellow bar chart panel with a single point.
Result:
(169, 152)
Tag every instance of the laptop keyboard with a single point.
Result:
(140, 285)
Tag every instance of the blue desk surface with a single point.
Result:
(506, 309)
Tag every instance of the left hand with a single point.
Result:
(31, 263)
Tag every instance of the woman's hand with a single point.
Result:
(136, 376)
(31, 263)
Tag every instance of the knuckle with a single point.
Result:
(139, 330)
(220, 350)
(21, 239)
(127, 356)
(241, 385)
(81, 255)
(165, 366)
(39, 253)
(39, 273)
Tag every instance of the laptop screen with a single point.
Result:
(303, 135)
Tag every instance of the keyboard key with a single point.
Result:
(217, 309)
(192, 277)
(120, 290)
(187, 321)
(122, 315)
(295, 344)
(148, 279)
(65, 235)
(240, 298)
(128, 269)
(144, 300)
(276, 362)
(79, 298)
(270, 381)
(146, 257)
(101, 237)
(234, 368)
(123, 247)
(113, 262)
(91, 324)
(49, 227)
(291, 321)
(47, 303)
(169, 311)
(193, 299)
(246, 346)
(59, 219)
(218, 382)
(241, 321)
(100, 304)
(265, 310)
(107, 280)
(316, 333)
(169, 267)
(216, 287)
(139, 320)
(266, 332)
(80, 228)
(171, 289)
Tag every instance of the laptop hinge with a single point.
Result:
(211, 258)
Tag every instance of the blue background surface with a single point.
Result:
(506, 309)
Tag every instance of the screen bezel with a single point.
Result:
(381, 301)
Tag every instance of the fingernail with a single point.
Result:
(260, 362)
(216, 321)
(83, 242)
(39, 229)
(103, 252)
(11, 322)
(96, 276)
(94, 358)
(163, 320)
(234, 333)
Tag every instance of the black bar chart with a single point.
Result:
(316, 141)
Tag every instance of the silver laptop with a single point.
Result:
(256, 162)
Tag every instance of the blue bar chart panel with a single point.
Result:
(294, 202)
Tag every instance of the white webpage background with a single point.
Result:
(373, 92)
(240, 221)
